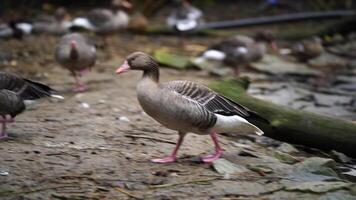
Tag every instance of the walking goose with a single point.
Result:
(57, 24)
(239, 50)
(185, 18)
(14, 91)
(105, 21)
(77, 54)
(186, 106)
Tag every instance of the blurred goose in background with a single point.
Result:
(104, 21)
(186, 17)
(186, 106)
(57, 24)
(239, 50)
(305, 50)
(14, 92)
(16, 29)
(76, 53)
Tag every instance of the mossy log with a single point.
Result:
(294, 126)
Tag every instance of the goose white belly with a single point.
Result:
(234, 124)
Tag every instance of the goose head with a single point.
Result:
(138, 61)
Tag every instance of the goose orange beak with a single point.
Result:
(125, 67)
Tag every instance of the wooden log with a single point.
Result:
(294, 126)
(277, 19)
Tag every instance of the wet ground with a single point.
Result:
(98, 144)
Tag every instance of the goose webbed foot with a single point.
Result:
(173, 156)
(213, 157)
(80, 88)
(168, 159)
(218, 150)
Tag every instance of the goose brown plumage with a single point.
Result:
(187, 106)
(14, 90)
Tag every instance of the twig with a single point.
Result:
(7, 193)
(186, 182)
(127, 193)
(150, 138)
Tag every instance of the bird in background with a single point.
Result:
(56, 24)
(184, 18)
(15, 94)
(240, 50)
(186, 106)
(76, 53)
(105, 21)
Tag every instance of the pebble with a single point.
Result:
(84, 105)
(124, 119)
(3, 173)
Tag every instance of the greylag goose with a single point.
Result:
(14, 91)
(185, 18)
(16, 29)
(77, 54)
(307, 49)
(105, 21)
(57, 25)
(239, 50)
(186, 106)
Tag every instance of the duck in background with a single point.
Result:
(57, 24)
(15, 94)
(239, 50)
(184, 18)
(105, 21)
(76, 53)
(307, 49)
(16, 29)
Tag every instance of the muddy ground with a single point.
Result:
(98, 144)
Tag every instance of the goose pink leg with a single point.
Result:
(218, 150)
(173, 156)
(79, 87)
(3, 121)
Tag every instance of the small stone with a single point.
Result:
(285, 158)
(124, 119)
(84, 105)
(102, 101)
(260, 169)
(4, 173)
(79, 95)
(287, 148)
(223, 166)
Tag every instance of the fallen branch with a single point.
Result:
(277, 19)
(295, 126)
(9, 193)
(150, 138)
(183, 183)
(127, 193)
